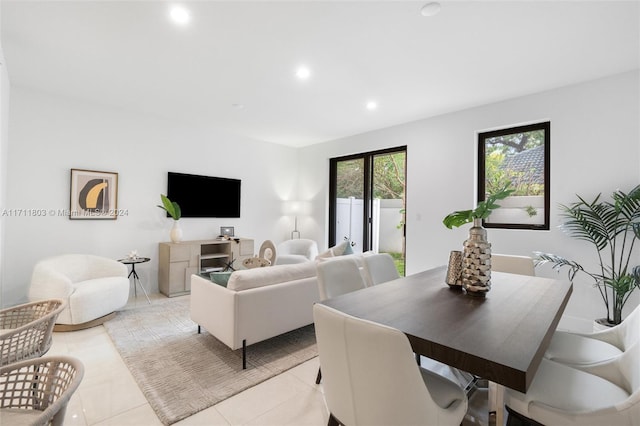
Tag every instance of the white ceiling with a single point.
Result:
(128, 54)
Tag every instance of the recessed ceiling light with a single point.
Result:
(430, 9)
(180, 15)
(303, 73)
(371, 105)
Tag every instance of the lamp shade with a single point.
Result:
(296, 208)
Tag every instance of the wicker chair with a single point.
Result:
(37, 391)
(26, 330)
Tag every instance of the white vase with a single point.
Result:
(176, 232)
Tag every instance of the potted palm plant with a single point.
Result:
(612, 228)
(173, 209)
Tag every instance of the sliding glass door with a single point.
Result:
(368, 201)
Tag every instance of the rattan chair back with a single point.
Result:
(26, 330)
(37, 391)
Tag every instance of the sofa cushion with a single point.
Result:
(260, 277)
(341, 249)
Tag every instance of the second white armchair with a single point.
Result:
(296, 251)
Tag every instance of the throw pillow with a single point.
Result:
(339, 249)
(349, 248)
(325, 255)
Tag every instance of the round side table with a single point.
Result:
(133, 261)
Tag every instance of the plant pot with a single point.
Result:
(476, 261)
(602, 324)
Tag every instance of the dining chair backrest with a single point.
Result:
(370, 375)
(607, 393)
(339, 276)
(521, 265)
(629, 365)
(26, 330)
(629, 329)
(37, 391)
(623, 335)
(380, 268)
(623, 371)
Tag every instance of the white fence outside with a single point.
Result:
(386, 218)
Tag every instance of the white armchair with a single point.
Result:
(93, 287)
(296, 251)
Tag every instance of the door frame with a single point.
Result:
(367, 191)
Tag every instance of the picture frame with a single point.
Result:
(227, 231)
(93, 195)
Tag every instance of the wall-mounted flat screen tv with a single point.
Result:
(204, 196)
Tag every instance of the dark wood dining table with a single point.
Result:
(501, 337)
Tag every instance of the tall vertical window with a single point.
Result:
(519, 155)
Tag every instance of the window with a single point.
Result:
(519, 155)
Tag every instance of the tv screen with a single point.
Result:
(204, 196)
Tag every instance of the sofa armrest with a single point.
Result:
(214, 308)
(266, 312)
(102, 267)
(46, 283)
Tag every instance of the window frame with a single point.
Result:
(481, 182)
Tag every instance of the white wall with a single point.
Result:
(595, 146)
(50, 135)
(4, 145)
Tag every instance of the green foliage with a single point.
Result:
(531, 211)
(497, 149)
(399, 262)
(350, 179)
(388, 177)
(482, 211)
(170, 207)
(612, 228)
(515, 142)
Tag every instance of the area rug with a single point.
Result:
(182, 372)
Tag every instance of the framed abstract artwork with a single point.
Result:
(94, 195)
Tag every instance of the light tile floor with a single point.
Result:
(108, 394)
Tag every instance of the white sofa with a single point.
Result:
(93, 287)
(256, 304)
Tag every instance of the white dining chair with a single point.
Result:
(380, 268)
(399, 393)
(338, 276)
(584, 350)
(606, 394)
(512, 264)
